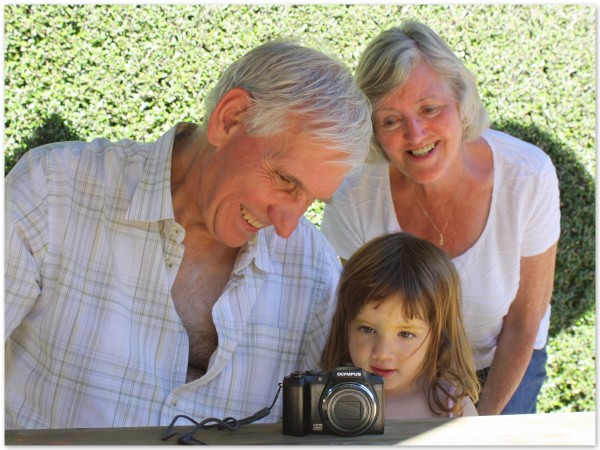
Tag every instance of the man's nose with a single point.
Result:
(285, 216)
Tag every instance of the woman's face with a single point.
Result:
(383, 341)
(418, 125)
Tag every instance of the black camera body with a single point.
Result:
(347, 401)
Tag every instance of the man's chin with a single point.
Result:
(240, 240)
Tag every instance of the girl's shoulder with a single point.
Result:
(451, 392)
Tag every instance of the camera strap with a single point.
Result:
(228, 423)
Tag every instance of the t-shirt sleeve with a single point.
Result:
(341, 223)
(543, 226)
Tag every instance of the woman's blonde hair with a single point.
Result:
(426, 281)
(389, 59)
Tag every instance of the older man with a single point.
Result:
(146, 280)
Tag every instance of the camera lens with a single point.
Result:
(349, 409)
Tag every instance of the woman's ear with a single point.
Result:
(227, 115)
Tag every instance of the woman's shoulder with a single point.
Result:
(369, 175)
(368, 187)
(512, 152)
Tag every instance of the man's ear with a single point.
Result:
(227, 115)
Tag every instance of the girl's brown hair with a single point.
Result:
(425, 278)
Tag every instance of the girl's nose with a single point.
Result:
(383, 349)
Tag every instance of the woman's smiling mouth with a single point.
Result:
(423, 151)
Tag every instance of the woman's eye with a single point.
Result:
(431, 110)
(389, 123)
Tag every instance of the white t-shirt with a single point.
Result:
(524, 220)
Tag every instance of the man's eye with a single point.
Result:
(291, 186)
(284, 182)
(283, 179)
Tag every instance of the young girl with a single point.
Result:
(399, 316)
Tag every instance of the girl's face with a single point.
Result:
(384, 342)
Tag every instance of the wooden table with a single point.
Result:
(534, 429)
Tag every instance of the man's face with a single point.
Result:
(263, 181)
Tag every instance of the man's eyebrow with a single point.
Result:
(294, 180)
(297, 182)
(301, 186)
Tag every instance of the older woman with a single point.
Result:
(489, 200)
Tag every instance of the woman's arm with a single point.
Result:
(520, 328)
(468, 408)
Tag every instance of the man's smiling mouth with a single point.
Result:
(250, 218)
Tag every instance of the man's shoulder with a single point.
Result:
(72, 156)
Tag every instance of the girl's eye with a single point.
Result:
(365, 329)
(407, 335)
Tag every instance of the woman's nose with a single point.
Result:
(414, 129)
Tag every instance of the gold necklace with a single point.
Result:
(441, 242)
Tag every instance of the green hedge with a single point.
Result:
(116, 71)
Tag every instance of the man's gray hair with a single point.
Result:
(389, 59)
(287, 80)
